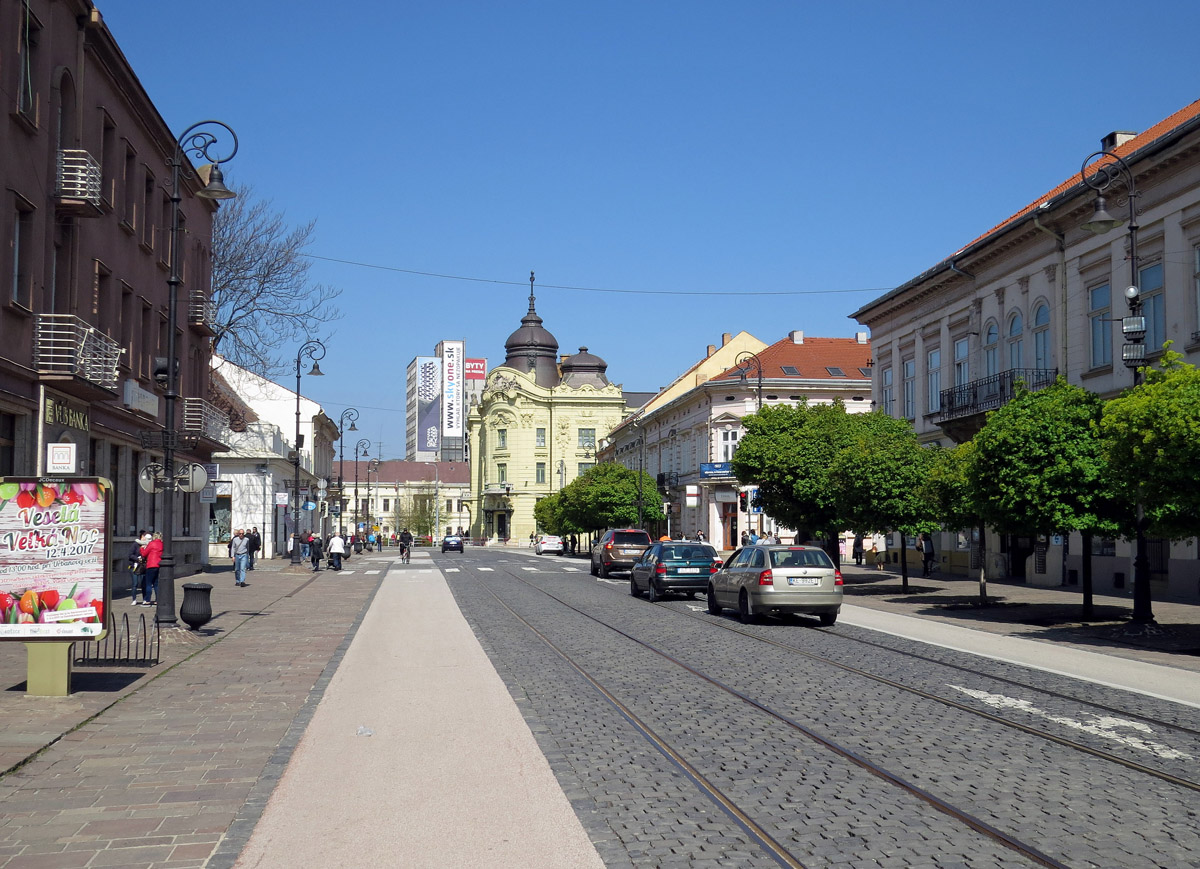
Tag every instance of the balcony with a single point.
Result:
(78, 184)
(76, 357)
(206, 420)
(497, 488)
(202, 313)
(962, 409)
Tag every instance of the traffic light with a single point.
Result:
(744, 501)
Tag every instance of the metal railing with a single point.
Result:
(202, 417)
(65, 344)
(991, 392)
(78, 177)
(202, 311)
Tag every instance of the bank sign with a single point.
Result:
(53, 557)
(452, 388)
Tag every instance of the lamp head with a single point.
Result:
(353, 427)
(1101, 221)
(316, 371)
(1131, 294)
(215, 188)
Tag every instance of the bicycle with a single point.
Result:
(405, 550)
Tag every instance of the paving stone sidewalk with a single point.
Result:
(160, 766)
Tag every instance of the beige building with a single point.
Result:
(536, 428)
(389, 495)
(1040, 295)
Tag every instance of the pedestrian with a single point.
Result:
(304, 548)
(857, 549)
(531, 540)
(239, 548)
(753, 538)
(371, 542)
(927, 554)
(255, 544)
(879, 556)
(152, 552)
(745, 538)
(137, 567)
(316, 549)
(700, 536)
(337, 548)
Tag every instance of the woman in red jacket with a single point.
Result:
(152, 552)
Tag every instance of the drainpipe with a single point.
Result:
(954, 268)
(1061, 246)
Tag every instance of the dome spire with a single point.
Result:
(531, 310)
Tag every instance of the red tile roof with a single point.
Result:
(811, 359)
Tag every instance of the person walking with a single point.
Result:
(878, 556)
(337, 548)
(745, 538)
(137, 567)
(927, 554)
(316, 548)
(255, 544)
(857, 549)
(239, 549)
(152, 552)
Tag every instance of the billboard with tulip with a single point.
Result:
(53, 557)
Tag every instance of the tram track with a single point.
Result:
(769, 844)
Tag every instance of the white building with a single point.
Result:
(1036, 296)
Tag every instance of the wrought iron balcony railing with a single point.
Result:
(65, 345)
(78, 177)
(202, 418)
(992, 392)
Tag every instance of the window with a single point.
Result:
(449, 506)
(989, 350)
(1150, 283)
(933, 380)
(835, 372)
(729, 442)
(962, 364)
(27, 60)
(1016, 342)
(1099, 314)
(865, 372)
(587, 438)
(887, 391)
(129, 199)
(910, 389)
(501, 438)
(148, 212)
(22, 254)
(793, 371)
(387, 504)
(540, 438)
(540, 471)
(1041, 337)
(8, 444)
(584, 467)
(501, 473)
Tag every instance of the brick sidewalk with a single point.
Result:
(164, 774)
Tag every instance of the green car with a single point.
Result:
(673, 566)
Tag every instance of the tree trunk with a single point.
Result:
(833, 547)
(903, 563)
(1086, 570)
(983, 599)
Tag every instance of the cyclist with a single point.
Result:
(406, 540)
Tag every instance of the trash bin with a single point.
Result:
(197, 604)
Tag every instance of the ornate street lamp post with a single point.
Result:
(315, 351)
(743, 363)
(362, 448)
(1101, 177)
(196, 143)
(350, 415)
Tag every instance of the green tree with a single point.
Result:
(949, 493)
(878, 481)
(606, 496)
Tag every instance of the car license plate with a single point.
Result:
(804, 580)
(689, 570)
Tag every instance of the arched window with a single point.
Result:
(991, 345)
(1016, 342)
(1041, 336)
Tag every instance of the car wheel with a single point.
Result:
(744, 613)
(603, 570)
(633, 589)
(593, 569)
(652, 592)
(828, 619)
(714, 608)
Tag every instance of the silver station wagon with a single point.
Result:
(762, 580)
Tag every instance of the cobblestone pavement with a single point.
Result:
(1082, 809)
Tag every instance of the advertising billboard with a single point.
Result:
(429, 403)
(53, 557)
(476, 369)
(452, 388)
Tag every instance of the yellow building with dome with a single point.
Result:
(536, 427)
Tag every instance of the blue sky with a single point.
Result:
(765, 166)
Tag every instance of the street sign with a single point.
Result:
(309, 505)
(335, 509)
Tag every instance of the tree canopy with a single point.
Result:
(605, 496)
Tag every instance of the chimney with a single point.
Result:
(725, 338)
(712, 348)
(797, 337)
(1116, 139)
(861, 337)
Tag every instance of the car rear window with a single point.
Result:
(800, 558)
(638, 538)
(688, 553)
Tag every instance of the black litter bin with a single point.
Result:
(197, 604)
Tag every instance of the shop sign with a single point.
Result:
(61, 413)
(54, 575)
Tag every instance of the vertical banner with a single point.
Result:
(429, 403)
(53, 557)
(452, 388)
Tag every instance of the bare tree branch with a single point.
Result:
(260, 285)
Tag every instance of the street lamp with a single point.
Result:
(350, 415)
(437, 499)
(372, 468)
(363, 449)
(1133, 352)
(315, 351)
(743, 362)
(197, 143)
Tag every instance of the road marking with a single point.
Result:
(372, 572)
(485, 569)
(571, 569)
(450, 570)
(1104, 726)
(696, 609)
(530, 569)
(611, 581)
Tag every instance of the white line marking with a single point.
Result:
(530, 569)
(611, 581)
(372, 572)
(450, 570)
(486, 569)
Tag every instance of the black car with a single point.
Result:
(452, 543)
(673, 566)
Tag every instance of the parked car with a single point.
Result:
(548, 543)
(757, 580)
(452, 542)
(675, 566)
(618, 549)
